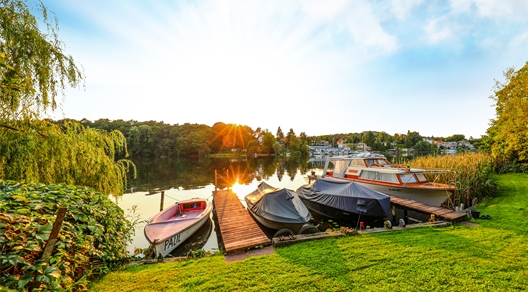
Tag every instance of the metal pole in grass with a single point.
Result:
(359, 217)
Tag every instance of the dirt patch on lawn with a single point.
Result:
(242, 255)
(467, 223)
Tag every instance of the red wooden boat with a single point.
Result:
(172, 226)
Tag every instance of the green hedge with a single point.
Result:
(92, 241)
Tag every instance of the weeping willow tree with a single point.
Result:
(35, 71)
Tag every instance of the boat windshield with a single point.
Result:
(421, 177)
(378, 162)
(340, 168)
(379, 176)
(357, 162)
(408, 178)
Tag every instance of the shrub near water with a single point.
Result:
(92, 239)
(472, 172)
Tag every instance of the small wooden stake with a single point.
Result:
(48, 249)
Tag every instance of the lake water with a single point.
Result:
(186, 179)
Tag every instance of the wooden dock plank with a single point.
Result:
(239, 231)
(441, 212)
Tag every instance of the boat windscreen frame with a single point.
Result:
(410, 175)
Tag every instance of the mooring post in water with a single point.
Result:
(227, 177)
(161, 200)
(216, 180)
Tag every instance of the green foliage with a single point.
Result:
(92, 240)
(193, 139)
(13, 83)
(41, 151)
(472, 172)
(511, 166)
(35, 59)
(508, 132)
(455, 138)
(423, 148)
(280, 134)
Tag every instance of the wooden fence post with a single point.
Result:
(48, 249)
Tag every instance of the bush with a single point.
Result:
(473, 173)
(511, 167)
(92, 241)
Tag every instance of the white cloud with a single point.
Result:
(368, 31)
(357, 21)
(437, 30)
(517, 46)
(403, 8)
(502, 9)
(505, 9)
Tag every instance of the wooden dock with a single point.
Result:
(439, 212)
(238, 229)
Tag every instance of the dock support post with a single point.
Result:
(161, 200)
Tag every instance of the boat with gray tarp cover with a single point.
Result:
(344, 200)
(277, 208)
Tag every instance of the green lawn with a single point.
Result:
(490, 257)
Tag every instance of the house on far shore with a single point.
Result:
(341, 143)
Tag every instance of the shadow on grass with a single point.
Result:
(327, 261)
(509, 208)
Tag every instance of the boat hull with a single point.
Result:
(167, 246)
(336, 214)
(295, 227)
(433, 197)
(170, 228)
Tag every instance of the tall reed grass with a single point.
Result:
(473, 173)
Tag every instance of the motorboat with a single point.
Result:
(377, 173)
(172, 226)
(278, 208)
(344, 200)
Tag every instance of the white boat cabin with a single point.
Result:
(373, 167)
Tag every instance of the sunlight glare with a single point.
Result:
(242, 190)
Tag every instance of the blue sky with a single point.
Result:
(319, 67)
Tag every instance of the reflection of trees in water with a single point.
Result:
(195, 173)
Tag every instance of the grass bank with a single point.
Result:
(492, 256)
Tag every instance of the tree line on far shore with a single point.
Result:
(159, 139)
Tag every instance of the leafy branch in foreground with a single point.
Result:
(92, 241)
(36, 67)
(69, 153)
